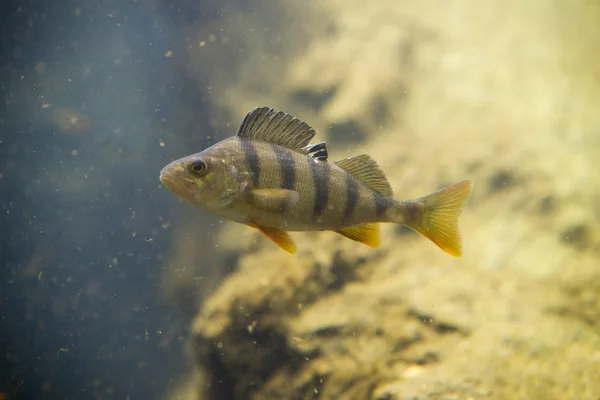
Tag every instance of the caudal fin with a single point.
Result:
(439, 216)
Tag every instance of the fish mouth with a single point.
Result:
(164, 176)
(169, 177)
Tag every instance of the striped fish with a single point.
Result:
(269, 177)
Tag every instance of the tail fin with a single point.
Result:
(439, 217)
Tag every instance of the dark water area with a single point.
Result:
(88, 92)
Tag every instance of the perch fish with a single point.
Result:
(269, 177)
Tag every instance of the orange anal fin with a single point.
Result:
(364, 233)
(279, 237)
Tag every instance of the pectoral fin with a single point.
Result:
(364, 233)
(281, 238)
(274, 199)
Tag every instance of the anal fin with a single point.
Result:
(367, 233)
(279, 237)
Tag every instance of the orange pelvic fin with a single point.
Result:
(279, 237)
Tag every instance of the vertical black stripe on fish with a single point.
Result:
(287, 166)
(320, 174)
(252, 160)
(352, 195)
(381, 204)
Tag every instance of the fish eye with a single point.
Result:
(198, 167)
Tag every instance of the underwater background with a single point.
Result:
(112, 288)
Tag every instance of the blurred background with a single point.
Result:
(104, 274)
(90, 93)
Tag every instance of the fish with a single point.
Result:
(270, 177)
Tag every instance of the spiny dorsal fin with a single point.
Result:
(276, 127)
(317, 150)
(366, 170)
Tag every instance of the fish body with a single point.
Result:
(269, 177)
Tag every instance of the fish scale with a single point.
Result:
(327, 207)
(269, 177)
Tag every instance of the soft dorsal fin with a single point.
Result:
(276, 127)
(366, 170)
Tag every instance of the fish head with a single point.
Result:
(203, 179)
